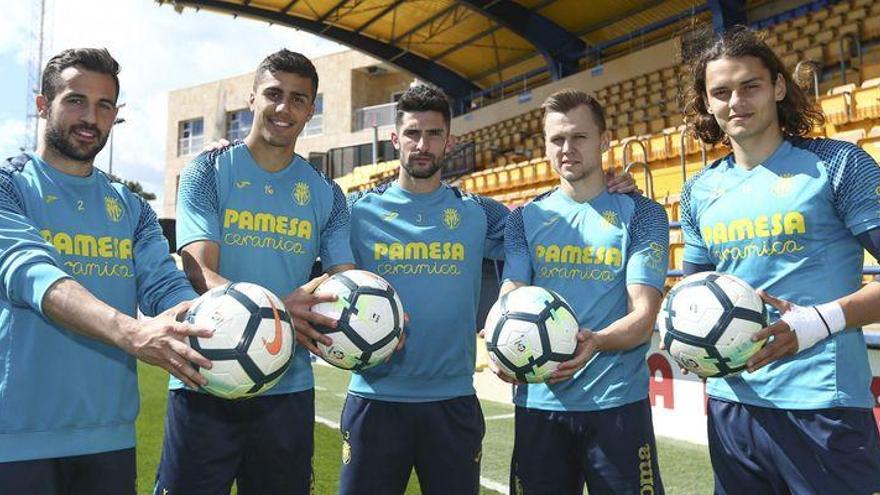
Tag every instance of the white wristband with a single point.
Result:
(812, 324)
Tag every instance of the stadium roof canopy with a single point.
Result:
(467, 46)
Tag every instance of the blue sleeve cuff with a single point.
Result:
(34, 281)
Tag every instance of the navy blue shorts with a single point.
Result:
(612, 451)
(759, 450)
(384, 441)
(107, 473)
(265, 444)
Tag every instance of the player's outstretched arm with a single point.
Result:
(160, 341)
(802, 327)
(201, 260)
(299, 304)
(628, 332)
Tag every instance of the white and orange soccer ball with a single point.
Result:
(370, 317)
(707, 321)
(529, 332)
(253, 339)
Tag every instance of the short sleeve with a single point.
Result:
(648, 256)
(855, 182)
(335, 242)
(198, 204)
(695, 249)
(496, 217)
(517, 260)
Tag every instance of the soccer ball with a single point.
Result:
(529, 332)
(707, 321)
(370, 318)
(253, 339)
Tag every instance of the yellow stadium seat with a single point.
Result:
(658, 146)
(468, 184)
(528, 173)
(789, 35)
(840, 8)
(542, 171)
(823, 37)
(515, 175)
(871, 26)
(832, 22)
(656, 125)
(855, 15)
(819, 15)
(853, 136)
(801, 43)
(871, 144)
(837, 104)
(814, 54)
(480, 183)
(810, 29)
(866, 100)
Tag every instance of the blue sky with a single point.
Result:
(158, 50)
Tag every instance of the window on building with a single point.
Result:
(238, 124)
(190, 136)
(315, 126)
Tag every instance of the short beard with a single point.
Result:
(423, 174)
(60, 141)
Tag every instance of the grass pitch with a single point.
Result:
(685, 467)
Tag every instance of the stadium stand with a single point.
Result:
(841, 41)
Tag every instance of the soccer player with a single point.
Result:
(607, 256)
(800, 420)
(79, 254)
(428, 240)
(257, 212)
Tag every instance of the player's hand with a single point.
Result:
(161, 341)
(585, 350)
(623, 183)
(681, 368)
(784, 342)
(494, 368)
(299, 304)
(402, 339)
(216, 145)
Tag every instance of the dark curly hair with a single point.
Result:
(423, 98)
(797, 113)
(285, 60)
(93, 59)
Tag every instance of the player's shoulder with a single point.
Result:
(316, 176)
(824, 148)
(539, 200)
(643, 203)
(367, 196)
(10, 170)
(703, 178)
(206, 163)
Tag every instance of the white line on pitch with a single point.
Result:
(499, 416)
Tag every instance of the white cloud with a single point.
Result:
(11, 136)
(159, 50)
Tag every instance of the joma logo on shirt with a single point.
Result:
(739, 229)
(267, 222)
(419, 251)
(579, 255)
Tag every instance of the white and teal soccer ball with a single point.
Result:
(253, 339)
(370, 317)
(707, 321)
(529, 332)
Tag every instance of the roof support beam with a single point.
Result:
(451, 82)
(391, 6)
(727, 13)
(332, 10)
(560, 48)
(426, 22)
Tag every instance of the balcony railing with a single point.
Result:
(376, 115)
